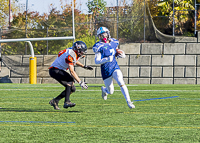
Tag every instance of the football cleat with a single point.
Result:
(68, 104)
(130, 105)
(54, 103)
(104, 94)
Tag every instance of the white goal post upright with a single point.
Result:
(33, 59)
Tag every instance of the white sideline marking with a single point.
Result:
(54, 85)
(100, 90)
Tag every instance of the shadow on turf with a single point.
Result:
(30, 110)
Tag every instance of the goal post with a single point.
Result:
(36, 39)
(33, 70)
(33, 59)
(32, 66)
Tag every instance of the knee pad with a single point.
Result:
(73, 88)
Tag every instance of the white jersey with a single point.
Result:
(65, 58)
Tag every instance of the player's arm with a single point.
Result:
(120, 53)
(99, 60)
(79, 64)
(69, 60)
(73, 73)
(84, 66)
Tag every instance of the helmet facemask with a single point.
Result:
(103, 34)
(80, 48)
(81, 53)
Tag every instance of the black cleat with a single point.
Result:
(54, 103)
(68, 104)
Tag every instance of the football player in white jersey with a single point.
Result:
(67, 59)
(105, 51)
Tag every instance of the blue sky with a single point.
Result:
(43, 5)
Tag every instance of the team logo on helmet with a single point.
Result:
(78, 46)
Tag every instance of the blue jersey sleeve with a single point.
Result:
(96, 47)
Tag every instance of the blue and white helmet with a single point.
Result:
(103, 30)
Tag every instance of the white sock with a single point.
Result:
(105, 90)
(124, 90)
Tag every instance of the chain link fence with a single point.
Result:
(130, 23)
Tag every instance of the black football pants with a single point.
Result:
(63, 78)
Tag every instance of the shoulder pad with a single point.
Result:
(97, 47)
(114, 40)
(72, 54)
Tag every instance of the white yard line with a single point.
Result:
(100, 90)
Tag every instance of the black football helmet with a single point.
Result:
(80, 48)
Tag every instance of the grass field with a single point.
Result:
(163, 113)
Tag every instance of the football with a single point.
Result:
(118, 52)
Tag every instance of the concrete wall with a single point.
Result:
(146, 63)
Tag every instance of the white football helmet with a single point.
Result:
(102, 30)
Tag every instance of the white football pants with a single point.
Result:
(117, 75)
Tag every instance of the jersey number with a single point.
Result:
(112, 51)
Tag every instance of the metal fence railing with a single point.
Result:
(131, 23)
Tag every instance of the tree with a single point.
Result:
(4, 11)
(96, 6)
(132, 21)
(58, 24)
(182, 16)
(17, 30)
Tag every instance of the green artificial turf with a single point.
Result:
(163, 113)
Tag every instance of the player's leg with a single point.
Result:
(109, 89)
(54, 102)
(54, 73)
(118, 76)
(109, 85)
(70, 88)
(67, 81)
(60, 96)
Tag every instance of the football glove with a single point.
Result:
(83, 85)
(121, 54)
(88, 67)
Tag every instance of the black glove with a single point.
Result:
(88, 67)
